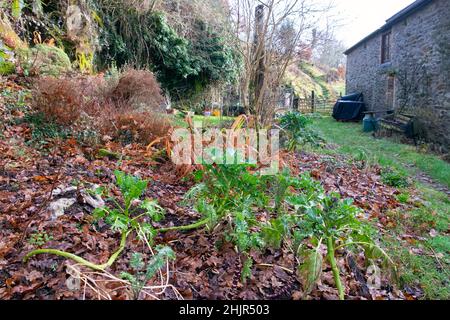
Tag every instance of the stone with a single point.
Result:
(94, 200)
(71, 192)
(44, 60)
(8, 35)
(63, 191)
(59, 207)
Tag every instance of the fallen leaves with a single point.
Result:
(206, 267)
(44, 179)
(337, 175)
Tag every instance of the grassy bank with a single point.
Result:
(353, 141)
(418, 240)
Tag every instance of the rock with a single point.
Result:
(63, 191)
(58, 207)
(45, 60)
(8, 35)
(95, 201)
(71, 196)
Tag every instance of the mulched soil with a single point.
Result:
(206, 266)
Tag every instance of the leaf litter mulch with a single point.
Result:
(206, 267)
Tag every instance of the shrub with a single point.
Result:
(139, 88)
(130, 126)
(297, 129)
(59, 100)
(127, 109)
(395, 178)
(146, 39)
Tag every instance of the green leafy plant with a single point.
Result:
(224, 189)
(404, 197)
(144, 272)
(335, 223)
(231, 194)
(39, 239)
(299, 133)
(124, 217)
(395, 178)
(44, 130)
(302, 215)
(276, 230)
(246, 269)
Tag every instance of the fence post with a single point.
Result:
(313, 101)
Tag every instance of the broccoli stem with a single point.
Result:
(334, 267)
(115, 256)
(193, 226)
(79, 260)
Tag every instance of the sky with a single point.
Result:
(362, 17)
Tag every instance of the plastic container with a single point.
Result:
(370, 124)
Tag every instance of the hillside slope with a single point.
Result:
(306, 77)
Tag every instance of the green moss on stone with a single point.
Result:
(6, 68)
(43, 59)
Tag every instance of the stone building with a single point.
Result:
(405, 66)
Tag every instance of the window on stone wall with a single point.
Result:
(386, 48)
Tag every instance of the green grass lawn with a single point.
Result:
(423, 261)
(206, 121)
(352, 140)
(213, 121)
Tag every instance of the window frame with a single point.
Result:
(386, 47)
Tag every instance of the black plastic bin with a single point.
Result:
(350, 108)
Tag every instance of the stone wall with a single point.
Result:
(420, 55)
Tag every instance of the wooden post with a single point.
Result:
(313, 101)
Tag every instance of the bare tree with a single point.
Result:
(270, 33)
